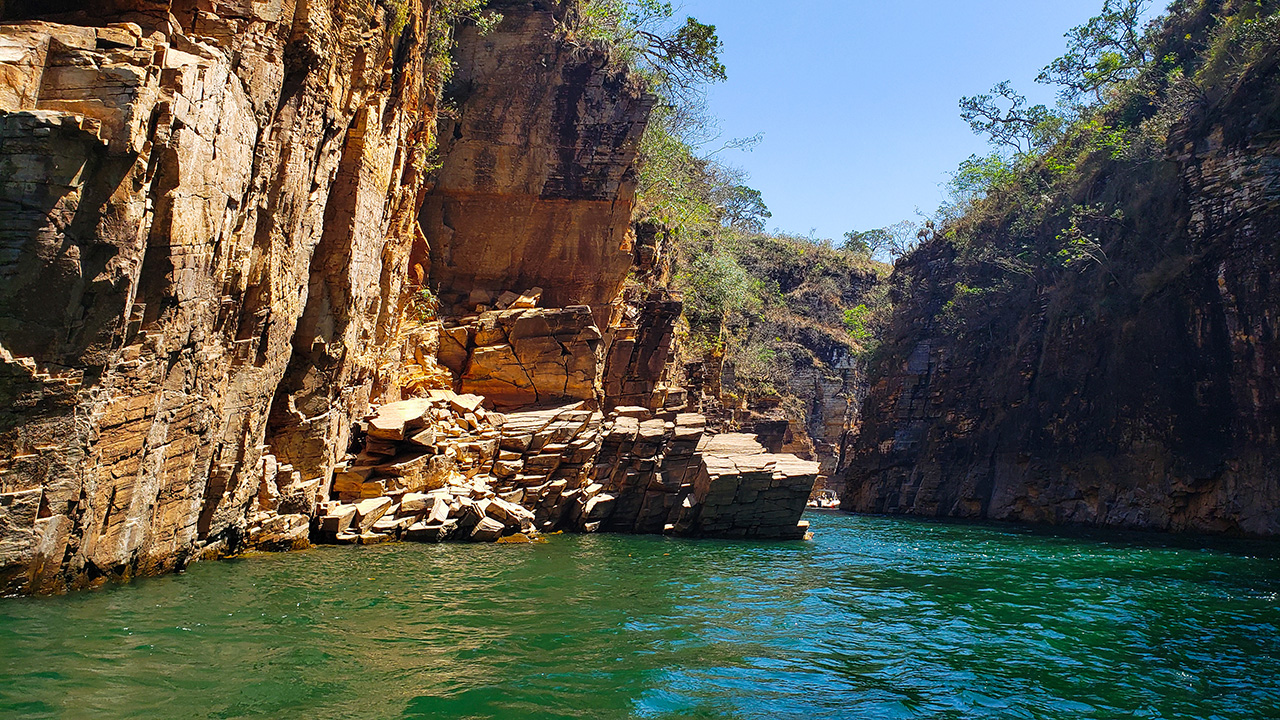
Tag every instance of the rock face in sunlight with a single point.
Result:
(522, 357)
(195, 210)
(437, 468)
(537, 180)
(1142, 392)
(216, 235)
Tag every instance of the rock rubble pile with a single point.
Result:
(442, 467)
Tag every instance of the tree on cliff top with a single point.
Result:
(678, 58)
(744, 209)
(1008, 122)
(1107, 49)
(1020, 221)
(1104, 59)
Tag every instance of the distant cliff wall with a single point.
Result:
(1140, 389)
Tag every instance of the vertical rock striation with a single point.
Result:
(537, 180)
(193, 192)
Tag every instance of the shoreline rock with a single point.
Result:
(548, 469)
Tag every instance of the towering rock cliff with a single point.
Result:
(1136, 388)
(221, 243)
(199, 198)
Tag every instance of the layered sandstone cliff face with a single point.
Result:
(537, 181)
(1141, 392)
(192, 192)
(213, 216)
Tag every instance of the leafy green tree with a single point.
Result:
(745, 209)
(676, 183)
(867, 242)
(1004, 116)
(974, 178)
(680, 57)
(855, 321)
(715, 284)
(689, 187)
(1109, 48)
(893, 241)
(690, 54)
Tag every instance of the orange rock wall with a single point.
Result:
(538, 176)
(201, 199)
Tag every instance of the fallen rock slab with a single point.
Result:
(280, 533)
(487, 530)
(370, 511)
(338, 519)
(391, 420)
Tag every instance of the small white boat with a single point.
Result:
(824, 500)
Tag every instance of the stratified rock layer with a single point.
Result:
(439, 467)
(525, 356)
(178, 196)
(538, 178)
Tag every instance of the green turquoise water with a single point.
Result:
(876, 618)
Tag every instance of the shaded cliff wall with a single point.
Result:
(537, 180)
(1141, 392)
(200, 200)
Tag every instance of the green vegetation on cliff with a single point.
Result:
(1032, 212)
(770, 319)
(644, 35)
(1125, 91)
(771, 304)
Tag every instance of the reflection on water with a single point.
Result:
(877, 618)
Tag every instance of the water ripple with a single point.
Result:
(877, 618)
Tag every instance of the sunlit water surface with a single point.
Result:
(876, 618)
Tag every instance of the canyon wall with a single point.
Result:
(537, 176)
(201, 200)
(230, 233)
(1137, 388)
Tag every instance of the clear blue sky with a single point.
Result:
(857, 99)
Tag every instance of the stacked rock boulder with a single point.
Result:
(742, 491)
(442, 467)
(417, 477)
(281, 519)
(669, 476)
(417, 444)
(466, 511)
(645, 467)
(523, 355)
(545, 461)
